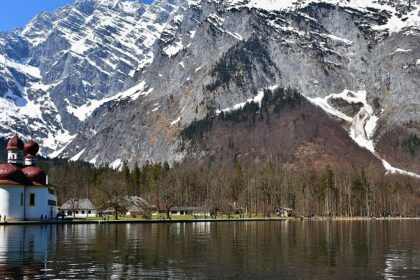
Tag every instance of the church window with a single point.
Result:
(32, 199)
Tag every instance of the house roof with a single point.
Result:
(137, 203)
(78, 204)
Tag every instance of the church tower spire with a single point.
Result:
(31, 149)
(15, 148)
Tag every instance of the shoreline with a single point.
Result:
(174, 221)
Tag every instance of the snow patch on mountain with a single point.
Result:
(256, 99)
(23, 68)
(276, 5)
(217, 22)
(116, 164)
(399, 50)
(93, 160)
(362, 126)
(395, 23)
(324, 105)
(175, 121)
(77, 156)
(58, 151)
(84, 111)
(392, 170)
(174, 48)
(56, 140)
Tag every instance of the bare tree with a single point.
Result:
(73, 204)
(171, 189)
(114, 194)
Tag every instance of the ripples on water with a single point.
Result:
(252, 250)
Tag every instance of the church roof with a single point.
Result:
(16, 174)
(10, 174)
(31, 148)
(15, 143)
(36, 175)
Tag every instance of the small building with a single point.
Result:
(195, 211)
(138, 205)
(78, 208)
(284, 212)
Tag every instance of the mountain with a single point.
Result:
(108, 81)
(57, 69)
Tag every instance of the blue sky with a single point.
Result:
(17, 13)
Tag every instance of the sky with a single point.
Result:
(17, 13)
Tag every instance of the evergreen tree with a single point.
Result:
(135, 179)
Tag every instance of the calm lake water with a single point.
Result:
(251, 250)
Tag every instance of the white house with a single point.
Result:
(195, 211)
(24, 190)
(284, 212)
(78, 208)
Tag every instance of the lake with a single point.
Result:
(228, 250)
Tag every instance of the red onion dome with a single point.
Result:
(36, 175)
(31, 147)
(15, 143)
(13, 175)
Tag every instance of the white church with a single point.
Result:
(24, 190)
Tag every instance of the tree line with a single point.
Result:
(232, 189)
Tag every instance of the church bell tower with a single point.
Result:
(15, 148)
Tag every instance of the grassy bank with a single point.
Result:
(162, 217)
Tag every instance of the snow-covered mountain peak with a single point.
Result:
(128, 6)
(66, 63)
(82, 17)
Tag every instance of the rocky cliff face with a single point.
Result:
(60, 67)
(130, 77)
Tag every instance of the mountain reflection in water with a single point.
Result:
(251, 250)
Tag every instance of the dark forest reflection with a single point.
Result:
(310, 250)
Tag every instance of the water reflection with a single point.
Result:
(287, 250)
(402, 263)
(24, 250)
